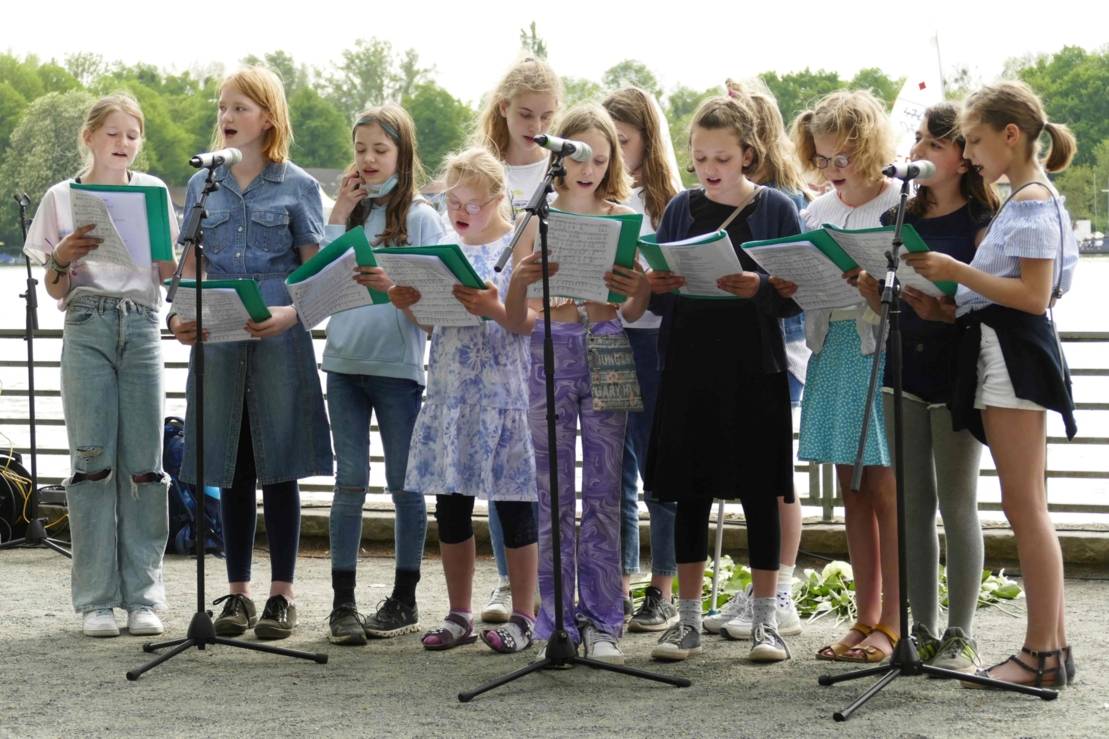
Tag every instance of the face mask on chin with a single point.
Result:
(380, 191)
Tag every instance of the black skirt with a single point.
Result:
(722, 427)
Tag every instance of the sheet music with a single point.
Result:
(329, 291)
(869, 250)
(820, 283)
(437, 305)
(88, 208)
(224, 313)
(584, 248)
(702, 263)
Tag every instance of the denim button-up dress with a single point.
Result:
(253, 233)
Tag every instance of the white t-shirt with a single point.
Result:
(523, 179)
(54, 221)
(636, 203)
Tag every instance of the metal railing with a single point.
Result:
(823, 490)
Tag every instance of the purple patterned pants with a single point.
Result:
(591, 558)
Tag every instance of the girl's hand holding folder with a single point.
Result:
(741, 284)
(282, 318)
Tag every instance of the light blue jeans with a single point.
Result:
(112, 400)
(396, 402)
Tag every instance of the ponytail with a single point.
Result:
(1063, 147)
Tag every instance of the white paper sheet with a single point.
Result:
(820, 283)
(584, 249)
(437, 305)
(121, 220)
(702, 263)
(224, 313)
(329, 291)
(869, 250)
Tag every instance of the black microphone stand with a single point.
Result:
(202, 631)
(905, 661)
(35, 535)
(560, 651)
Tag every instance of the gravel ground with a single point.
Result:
(58, 682)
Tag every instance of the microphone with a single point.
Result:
(576, 150)
(215, 158)
(919, 170)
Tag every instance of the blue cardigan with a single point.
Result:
(774, 216)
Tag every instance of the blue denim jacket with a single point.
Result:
(254, 233)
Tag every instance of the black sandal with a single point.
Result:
(1044, 676)
(442, 638)
(504, 641)
(1068, 664)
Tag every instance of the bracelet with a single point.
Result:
(57, 266)
(169, 320)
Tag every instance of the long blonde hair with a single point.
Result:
(1014, 102)
(779, 163)
(659, 179)
(401, 130)
(97, 116)
(527, 76)
(859, 122)
(616, 184)
(264, 88)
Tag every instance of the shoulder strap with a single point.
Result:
(739, 208)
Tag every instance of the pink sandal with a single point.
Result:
(442, 638)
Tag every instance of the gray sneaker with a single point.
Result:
(957, 652)
(345, 626)
(278, 620)
(238, 615)
(655, 614)
(767, 644)
(601, 646)
(678, 643)
(926, 642)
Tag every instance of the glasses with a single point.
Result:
(473, 207)
(839, 161)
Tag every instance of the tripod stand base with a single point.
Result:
(203, 633)
(36, 537)
(913, 667)
(560, 654)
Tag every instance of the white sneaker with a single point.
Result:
(499, 607)
(142, 621)
(739, 605)
(601, 646)
(789, 621)
(101, 622)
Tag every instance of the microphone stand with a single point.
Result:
(202, 631)
(560, 651)
(905, 661)
(35, 535)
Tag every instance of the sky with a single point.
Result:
(470, 43)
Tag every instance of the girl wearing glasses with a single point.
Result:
(374, 364)
(472, 437)
(846, 139)
(522, 106)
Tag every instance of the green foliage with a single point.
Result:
(292, 75)
(441, 123)
(531, 42)
(43, 151)
(875, 80)
(680, 107)
(362, 78)
(797, 91)
(1084, 186)
(631, 73)
(581, 90)
(321, 133)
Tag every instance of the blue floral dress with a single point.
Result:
(472, 435)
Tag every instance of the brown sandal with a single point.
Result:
(833, 652)
(871, 654)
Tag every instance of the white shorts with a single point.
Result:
(994, 386)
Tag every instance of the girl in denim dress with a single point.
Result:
(111, 388)
(264, 418)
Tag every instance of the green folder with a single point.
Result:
(450, 254)
(247, 289)
(363, 255)
(910, 239)
(649, 246)
(630, 224)
(157, 215)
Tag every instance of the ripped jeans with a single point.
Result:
(112, 400)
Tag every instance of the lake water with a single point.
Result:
(1083, 309)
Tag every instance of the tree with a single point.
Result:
(797, 91)
(681, 104)
(43, 151)
(531, 42)
(85, 66)
(321, 131)
(409, 75)
(631, 73)
(873, 79)
(442, 122)
(292, 75)
(363, 77)
(1084, 186)
(581, 90)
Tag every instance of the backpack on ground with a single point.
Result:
(182, 499)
